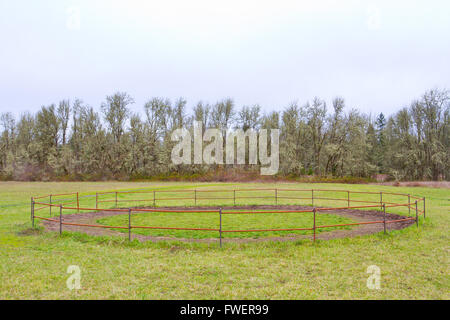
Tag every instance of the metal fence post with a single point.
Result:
(234, 197)
(154, 198)
(381, 200)
(32, 212)
(50, 205)
(116, 199)
(348, 198)
(312, 197)
(424, 207)
(384, 218)
(129, 224)
(195, 197)
(314, 225)
(417, 216)
(78, 202)
(220, 227)
(60, 219)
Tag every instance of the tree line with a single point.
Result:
(72, 140)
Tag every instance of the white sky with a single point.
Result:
(378, 55)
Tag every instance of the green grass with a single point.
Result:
(209, 220)
(33, 264)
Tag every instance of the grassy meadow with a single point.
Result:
(33, 263)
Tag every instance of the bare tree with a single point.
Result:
(63, 116)
(116, 113)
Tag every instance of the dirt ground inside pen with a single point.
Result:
(91, 218)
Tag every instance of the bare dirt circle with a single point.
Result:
(90, 218)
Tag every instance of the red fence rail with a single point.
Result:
(237, 194)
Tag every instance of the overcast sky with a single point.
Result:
(378, 55)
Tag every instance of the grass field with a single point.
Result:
(33, 264)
